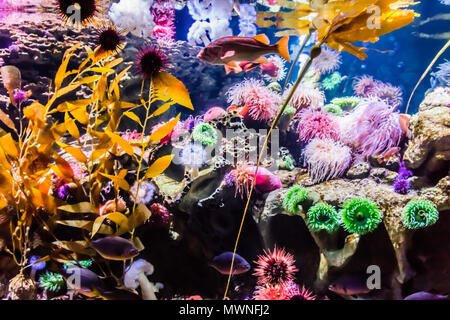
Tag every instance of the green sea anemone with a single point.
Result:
(360, 215)
(323, 216)
(419, 214)
(346, 103)
(332, 81)
(289, 111)
(334, 109)
(51, 281)
(286, 163)
(82, 263)
(205, 134)
(294, 196)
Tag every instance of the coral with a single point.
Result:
(294, 197)
(275, 69)
(163, 12)
(372, 128)
(388, 93)
(317, 125)
(360, 215)
(346, 103)
(150, 62)
(326, 159)
(205, 134)
(328, 61)
(401, 185)
(419, 214)
(323, 216)
(334, 109)
(133, 16)
(332, 81)
(262, 103)
(51, 281)
(364, 86)
(275, 268)
(306, 97)
(443, 74)
(213, 113)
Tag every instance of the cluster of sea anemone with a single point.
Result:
(367, 87)
(163, 12)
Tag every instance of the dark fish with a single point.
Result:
(243, 53)
(84, 281)
(222, 263)
(423, 295)
(115, 248)
(350, 285)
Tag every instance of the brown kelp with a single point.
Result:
(52, 174)
(338, 24)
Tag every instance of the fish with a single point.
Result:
(84, 281)
(350, 285)
(222, 263)
(243, 53)
(115, 248)
(423, 295)
(404, 124)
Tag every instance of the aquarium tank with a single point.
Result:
(224, 150)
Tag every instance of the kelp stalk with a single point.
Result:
(314, 53)
(294, 63)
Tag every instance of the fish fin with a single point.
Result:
(262, 38)
(228, 69)
(283, 48)
(234, 65)
(261, 60)
(251, 66)
(228, 54)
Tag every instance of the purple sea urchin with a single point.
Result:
(150, 62)
(275, 268)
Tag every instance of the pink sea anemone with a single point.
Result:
(262, 103)
(275, 268)
(160, 215)
(326, 159)
(164, 16)
(307, 97)
(390, 94)
(177, 130)
(275, 69)
(214, 113)
(242, 177)
(328, 61)
(317, 124)
(364, 86)
(268, 292)
(372, 128)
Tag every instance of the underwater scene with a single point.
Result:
(224, 150)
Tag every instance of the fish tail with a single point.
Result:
(283, 48)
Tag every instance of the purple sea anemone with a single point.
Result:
(403, 172)
(329, 60)
(364, 86)
(390, 94)
(317, 124)
(372, 128)
(307, 97)
(326, 159)
(150, 62)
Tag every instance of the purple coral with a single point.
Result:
(401, 185)
(163, 12)
(372, 128)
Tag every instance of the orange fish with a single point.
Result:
(404, 124)
(243, 53)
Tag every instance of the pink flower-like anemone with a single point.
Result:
(177, 130)
(275, 69)
(307, 97)
(364, 86)
(213, 113)
(390, 94)
(329, 60)
(242, 177)
(317, 124)
(163, 12)
(326, 159)
(261, 102)
(372, 128)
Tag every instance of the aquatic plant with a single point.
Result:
(328, 61)
(205, 134)
(51, 281)
(262, 103)
(372, 128)
(316, 125)
(294, 197)
(419, 214)
(307, 97)
(326, 159)
(332, 81)
(333, 108)
(346, 103)
(388, 93)
(275, 268)
(323, 216)
(365, 85)
(360, 215)
(133, 16)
